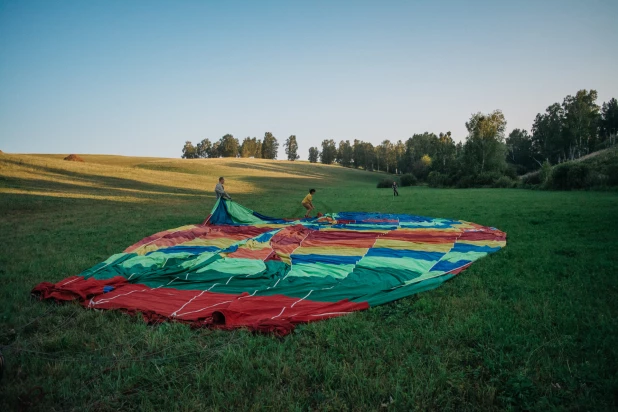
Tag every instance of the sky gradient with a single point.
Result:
(140, 78)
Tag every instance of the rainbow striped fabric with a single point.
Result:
(243, 269)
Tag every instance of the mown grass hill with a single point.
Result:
(530, 327)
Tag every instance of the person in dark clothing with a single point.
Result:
(395, 192)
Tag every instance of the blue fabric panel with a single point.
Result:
(269, 219)
(221, 216)
(265, 237)
(418, 225)
(337, 260)
(230, 249)
(463, 247)
(446, 266)
(398, 253)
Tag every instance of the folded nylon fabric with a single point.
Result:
(243, 269)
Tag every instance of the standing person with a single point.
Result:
(395, 192)
(308, 202)
(220, 190)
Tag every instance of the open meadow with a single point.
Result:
(533, 326)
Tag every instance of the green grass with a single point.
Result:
(533, 326)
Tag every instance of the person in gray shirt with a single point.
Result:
(220, 190)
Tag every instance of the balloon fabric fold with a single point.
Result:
(243, 269)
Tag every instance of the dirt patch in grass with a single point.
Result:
(73, 158)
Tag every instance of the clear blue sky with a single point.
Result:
(141, 77)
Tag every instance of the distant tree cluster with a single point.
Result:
(570, 130)
(416, 154)
(229, 146)
(565, 131)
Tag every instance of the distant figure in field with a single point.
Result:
(220, 190)
(307, 202)
(395, 192)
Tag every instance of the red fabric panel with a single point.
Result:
(275, 314)
(484, 235)
(147, 240)
(336, 235)
(361, 243)
(341, 238)
(75, 287)
(423, 237)
(260, 254)
(395, 221)
(171, 238)
(288, 239)
(273, 256)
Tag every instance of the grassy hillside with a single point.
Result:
(160, 181)
(602, 169)
(530, 327)
(603, 160)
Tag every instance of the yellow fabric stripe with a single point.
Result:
(221, 242)
(273, 225)
(403, 245)
(490, 243)
(253, 245)
(284, 258)
(430, 230)
(333, 251)
(334, 229)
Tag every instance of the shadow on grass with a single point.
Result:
(169, 168)
(292, 169)
(96, 184)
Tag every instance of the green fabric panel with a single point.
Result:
(241, 214)
(424, 276)
(199, 260)
(320, 270)
(108, 268)
(363, 283)
(434, 222)
(469, 256)
(380, 298)
(416, 265)
(155, 259)
(223, 282)
(137, 268)
(236, 266)
(382, 278)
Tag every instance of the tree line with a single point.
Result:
(229, 146)
(563, 132)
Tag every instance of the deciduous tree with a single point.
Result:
(329, 152)
(485, 149)
(270, 146)
(203, 148)
(228, 146)
(314, 153)
(291, 148)
(345, 152)
(189, 151)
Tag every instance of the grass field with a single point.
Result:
(533, 326)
